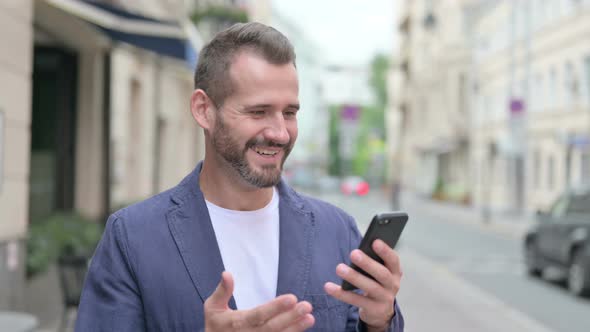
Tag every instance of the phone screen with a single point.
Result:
(385, 226)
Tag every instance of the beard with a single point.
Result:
(230, 150)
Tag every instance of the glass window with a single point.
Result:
(538, 95)
(1, 148)
(558, 209)
(537, 169)
(587, 77)
(569, 84)
(579, 204)
(553, 87)
(585, 169)
(550, 173)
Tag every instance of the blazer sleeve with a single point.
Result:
(396, 325)
(111, 299)
(354, 322)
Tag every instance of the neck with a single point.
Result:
(222, 186)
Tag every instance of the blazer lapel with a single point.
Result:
(295, 244)
(190, 225)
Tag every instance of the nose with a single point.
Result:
(277, 130)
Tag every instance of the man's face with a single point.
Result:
(256, 127)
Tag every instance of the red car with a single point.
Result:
(354, 185)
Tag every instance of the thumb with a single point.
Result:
(220, 297)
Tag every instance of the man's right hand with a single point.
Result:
(283, 313)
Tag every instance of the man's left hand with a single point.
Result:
(376, 303)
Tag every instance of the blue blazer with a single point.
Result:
(158, 261)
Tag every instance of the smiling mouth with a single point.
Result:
(265, 152)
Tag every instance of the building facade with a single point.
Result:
(494, 97)
(16, 19)
(428, 112)
(531, 103)
(94, 114)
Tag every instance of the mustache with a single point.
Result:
(259, 141)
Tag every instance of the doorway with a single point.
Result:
(53, 132)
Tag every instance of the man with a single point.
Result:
(232, 247)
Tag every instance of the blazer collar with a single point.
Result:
(190, 225)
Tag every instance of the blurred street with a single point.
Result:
(476, 112)
(462, 275)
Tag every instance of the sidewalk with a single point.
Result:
(504, 224)
(43, 299)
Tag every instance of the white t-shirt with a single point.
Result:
(249, 245)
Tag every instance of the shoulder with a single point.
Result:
(146, 212)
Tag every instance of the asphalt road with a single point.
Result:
(449, 260)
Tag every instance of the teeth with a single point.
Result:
(265, 152)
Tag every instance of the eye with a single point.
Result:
(290, 114)
(258, 113)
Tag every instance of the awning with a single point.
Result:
(178, 40)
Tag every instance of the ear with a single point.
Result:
(201, 109)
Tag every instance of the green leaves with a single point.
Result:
(63, 233)
(220, 13)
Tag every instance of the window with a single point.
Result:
(500, 105)
(542, 92)
(558, 209)
(569, 87)
(550, 173)
(485, 109)
(520, 90)
(537, 97)
(585, 169)
(1, 149)
(553, 87)
(537, 169)
(462, 100)
(587, 77)
(579, 204)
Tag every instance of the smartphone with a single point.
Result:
(385, 226)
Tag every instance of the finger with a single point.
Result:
(349, 297)
(304, 323)
(220, 297)
(281, 321)
(388, 255)
(370, 287)
(377, 270)
(260, 315)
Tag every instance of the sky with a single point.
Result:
(348, 32)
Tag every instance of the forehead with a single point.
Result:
(250, 72)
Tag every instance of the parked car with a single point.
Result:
(561, 239)
(354, 185)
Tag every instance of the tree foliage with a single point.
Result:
(220, 13)
(378, 80)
